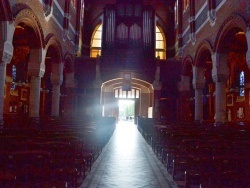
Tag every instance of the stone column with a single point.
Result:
(97, 90)
(184, 93)
(198, 85)
(35, 89)
(198, 113)
(5, 59)
(55, 100)
(248, 44)
(2, 83)
(56, 81)
(247, 100)
(157, 92)
(220, 74)
(220, 114)
(69, 100)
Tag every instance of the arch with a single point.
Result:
(69, 62)
(97, 21)
(233, 24)
(187, 65)
(204, 47)
(51, 40)
(27, 17)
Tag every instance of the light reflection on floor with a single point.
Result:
(128, 162)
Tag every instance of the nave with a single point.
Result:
(127, 161)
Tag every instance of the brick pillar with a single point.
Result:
(35, 87)
(198, 104)
(97, 90)
(220, 74)
(248, 44)
(198, 85)
(247, 102)
(2, 83)
(220, 112)
(36, 69)
(183, 104)
(5, 59)
(69, 100)
(56, 81)
(157, 91)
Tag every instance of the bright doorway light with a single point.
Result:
(126, 110)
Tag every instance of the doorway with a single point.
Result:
(126, 110)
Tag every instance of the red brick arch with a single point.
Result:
(27, 17)
(69, 62)
(233, 23)
(186, 65)
(204, 47)
(52, 41)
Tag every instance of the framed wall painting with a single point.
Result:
(24, 94)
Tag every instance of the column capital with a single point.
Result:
(156, 83)
(7, 52)
(56, 79)
(198, 78)
(220, 77)
(98, 81)
(70, 80)
(184, 84)
(247, 85)
(36, 72)
(220, 70)
(198, 85)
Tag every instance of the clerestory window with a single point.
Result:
(96, 42)
(160, 48)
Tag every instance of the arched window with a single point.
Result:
(96, 42)
(160, 48)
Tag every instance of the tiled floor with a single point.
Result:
(127, 161)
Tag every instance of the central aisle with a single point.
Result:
(128, 162)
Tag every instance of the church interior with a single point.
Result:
(67, 65)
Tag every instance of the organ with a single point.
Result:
(128, 35)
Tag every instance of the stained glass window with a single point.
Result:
(242, 83)
(13, 75)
